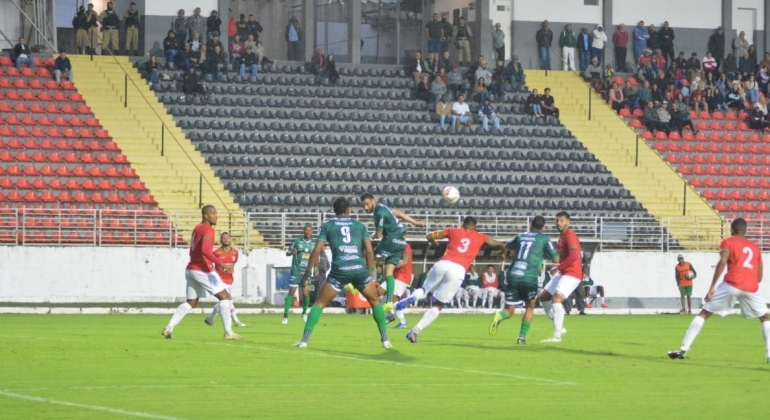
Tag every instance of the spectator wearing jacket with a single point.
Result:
(293, 37)
(419, 67)
(515, 73)
(62, 67)
(170, 49)
(658, 61)
(666, 41)
(620, 41)
(21, 55)
(615, 97)
(544, 38)
(693, 65)
(568, 42)
(216, 61)
(584, 47)
(740, 46)
(716, 46)
(236, 49)
(213, 25)
(487, 114)
(597, 44)
(710, 64)
(248, 62)
(443, 110)
(253, 27)
(641, 37)
(593, 71)
(197, 23)
(179, 26)
(746, 66)
(646, 73)
(438, 87)
(456, 81)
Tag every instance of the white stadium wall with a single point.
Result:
(120, 275)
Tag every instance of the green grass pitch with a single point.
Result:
(608, 367)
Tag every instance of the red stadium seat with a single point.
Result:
(129, 172)
(708, 194)
(131, 198)
(121, 184)
(647, 135)
(96, 146)
(87, 158)
(98, 197)
(73, 184)
(684, 170)
(686, 159)
(76, 122)
(105, 184)
(112, 172)
(79, 171)
(96, 171)
(147, 199)
(671, 158)
(114, 198)
(110, 145)
(30, 170)
(31, 197)
(738, 171)
(89, 184)
(120, 158)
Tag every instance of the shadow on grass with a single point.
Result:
(391, 355)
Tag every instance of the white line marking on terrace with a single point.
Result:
(411, 365)
(86, 406)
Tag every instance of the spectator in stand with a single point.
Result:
(483, 73)
(110, 24)
(242, 27)
(443, 110)
(248, 61)
(196, 24)
(515, 73)
(438, 87)
(762, 107)
(547, 104)
(765, 61)
(446, 39)
(487, 114)
(715, 100)
(151, 71)
(653, 43)
(734, 99)
(641, 36)
(650, 118)
(763, 78)
(630, 96)
(456, 81)
(666, 40)
(216, 62)
(747, 66)
(661, 80)
(498, 80)
(253, 28)
(331, 69)
(179, 26)
(709, 63)
(480, 91)
(445, 62)
(434, 31)
(215, 42)
(698, 98)
(593, 71)
(202, 58)
(680, 102)
(80, 24)
(232, 24)
(710, 81)
(693, 66)
(681, 61)
(261, 57)
(463, 34)
(187, 58)
(597, 44)
(753, 55)
(191, 84)
(498, 41)
(675, 75)
(21, 55)
(213, 25)
(645, 58)
(568, 42)
(131, 20)
(293, 37)
(471, 74)
(544, 38)
(236, 49)
(318, 63)
(645, 94)
(62, 67)
(533, 104)
(615, 97)
(195, 42)
(757, 120)
(170, 49)
(432, 63)
(646, 73)
(584, 48)
(423, 90)
(461, 113)
(752, 90)
(664, 119)
(250, 42)
(716, 45)
(659, 61)
(740, 47)
(419, 67)
(620, 41)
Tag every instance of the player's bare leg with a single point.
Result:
(692, 332)
(600, 292)
(681, 300)
(179, 314)
(287, 303)
(765, 320)
(689, 304)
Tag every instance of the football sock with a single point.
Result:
(233, 313)
(601, 299)
(224, 309)
(503, 315)
(180, 312)
(548, 308)
(558, 319)
(312, 320)
(766, 334)
(400, 316)
(429, 317)
(390, 287)
(287, 304)
(418, 295)
(213, 314)
(524, 329)
(692, 332)
(382, 324)
(305, 304)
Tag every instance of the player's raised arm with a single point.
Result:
(405, 217)
(724, 256)
(495, 244)
(371, 262)
(313, 261)
(434, 236)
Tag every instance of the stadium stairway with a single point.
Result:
(660, 189)
(171, 168)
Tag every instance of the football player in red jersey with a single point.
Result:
(201, 277)
(228, 255)
(743, 259)
(447, 275)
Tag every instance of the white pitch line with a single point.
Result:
(411, 365)
(86, 406)
(298, 385)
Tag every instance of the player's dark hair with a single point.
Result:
(307, 225)
(367, 196)
(223, 234)
(738, 225)
(563, 214)
(341, 206)
(207, 208)
(538, 222)
(469, 221)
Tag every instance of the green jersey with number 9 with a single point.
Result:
(533, 248)
(345, 237)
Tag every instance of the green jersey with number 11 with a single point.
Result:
(533, 249)
(345, 237)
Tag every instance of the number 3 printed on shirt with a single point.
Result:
(466, 243)
(747, 261)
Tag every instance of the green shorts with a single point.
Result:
(520, 291)
(685, 290)
(391, 250)
(358, 276)
(296, 279)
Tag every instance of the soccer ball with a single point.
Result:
(690, 275)
(450, 195)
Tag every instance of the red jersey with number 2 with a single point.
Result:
(404, 274)
(463, 246)
(197, 261)
(743, 263)
(226, 258)
(566, 241)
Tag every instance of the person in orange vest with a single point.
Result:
(685, 273)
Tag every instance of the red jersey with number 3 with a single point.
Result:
(226, 257)
(566, 241)
(404, 274)
(743, 263)
(463, 246)
(197, 261)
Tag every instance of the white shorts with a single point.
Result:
(752, 304)
(444, 279)
(398, 289)
(563, 285)
(491, 291)
(592, 291)
(200, 283)
(474, 290)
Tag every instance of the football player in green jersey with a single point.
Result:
(300, 250)
(391, 233)
(352, 263)
(531, 249)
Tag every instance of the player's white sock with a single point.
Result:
(692, 332)
(466, 301)
(213, 314)
(601, 299)
(418, 295)
(429, 317)
(224, 308)
(558, 319)
(766, 334)
(233, 312)
(179, 314)
(400, 316)
(548, 308)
